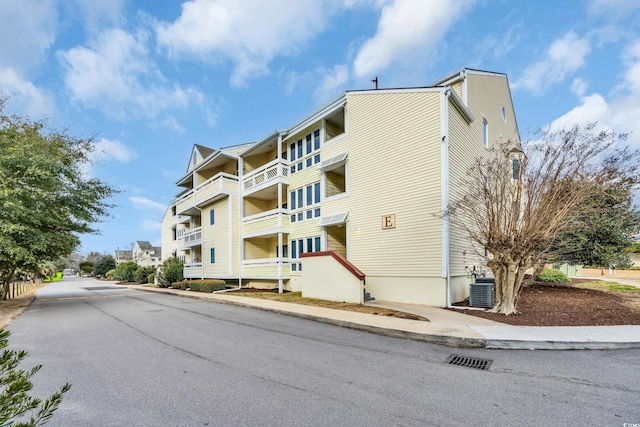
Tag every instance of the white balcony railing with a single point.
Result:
(272, 170)
(192, 265)
(221, 183)
(265, 261)
(184, 197)
(193, 235)
(265, 215)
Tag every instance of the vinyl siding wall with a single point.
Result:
(168, 244)
(220, 237)
(487, 94)
(393, 167)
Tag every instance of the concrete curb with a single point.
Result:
(451, 341)
(489, 340)
(559, 345)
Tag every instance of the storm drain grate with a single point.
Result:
(470, 362)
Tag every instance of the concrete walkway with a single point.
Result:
(444, 326)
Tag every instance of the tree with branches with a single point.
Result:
(46, 198)
(520, 199)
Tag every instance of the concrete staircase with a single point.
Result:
(368, 297)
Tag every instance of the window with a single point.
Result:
(503, 113)
(212, 255)
(282, 253)
(299, 246)
(305, 151)
(485, 132)
(307, 197)
(515, 169)
(212, 217)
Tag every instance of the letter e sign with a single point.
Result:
(388, 221)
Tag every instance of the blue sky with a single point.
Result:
(151, 78)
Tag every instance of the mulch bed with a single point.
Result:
(543, 304)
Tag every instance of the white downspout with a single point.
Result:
(279, 206)
(240, 219)
(444, 188)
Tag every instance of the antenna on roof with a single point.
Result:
(375, 81)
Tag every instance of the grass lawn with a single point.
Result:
(630, 294)
(55, 278)
(296, 298)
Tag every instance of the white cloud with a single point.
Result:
(144, 203)
(579, 86)
(25, 97)
(27, 29)
(612, 9)
(114, 74)
(499, 45)
(112, 150)
(150, 225)
(332, 83)
(249, 33)
(564, 56)
(620, 113)
(593, 108)
(409, 32)
(101, 13)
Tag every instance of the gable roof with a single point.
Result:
(144, 245)
(122, 254)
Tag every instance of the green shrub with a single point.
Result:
(170, 272)
(125, 271)
(209, 285)
(103, 265)
(151, 278)
(110, 274)
(552, 275)
(86, 267)
(141, 275)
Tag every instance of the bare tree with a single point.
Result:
(519, 198)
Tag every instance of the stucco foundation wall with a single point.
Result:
(295, 284)
(460, 288)
(325, 278)
(412, 290)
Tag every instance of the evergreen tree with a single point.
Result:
(15, 385)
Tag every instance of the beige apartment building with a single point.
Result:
(348, 198)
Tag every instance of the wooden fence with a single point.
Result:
(20, 287)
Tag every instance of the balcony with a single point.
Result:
(216, 187)
(192, 238)
(266, 267)
(275, 220)
(192, 270)
(185, 204)
(265, 176)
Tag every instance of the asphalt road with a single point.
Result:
(143, 359)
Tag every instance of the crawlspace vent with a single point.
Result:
(470, 362)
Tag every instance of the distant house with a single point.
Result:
(122, 256)
(146, 255)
